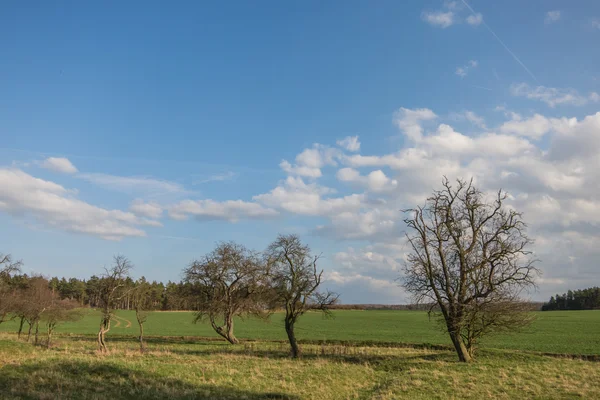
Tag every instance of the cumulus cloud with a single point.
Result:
(375, 181)
(296, 196)
(59, 164)
(551, 17)
(310, 161)
(349, 143)
(409, 121)
(553, 96)
(464, 70)
(475, 19)
(53, 205)
(150, 210)
(534, 127)
(230, 210)
(439, 19)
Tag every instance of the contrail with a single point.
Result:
(502, 43)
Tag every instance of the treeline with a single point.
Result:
(229, 281)
(584, 299)
(172, 296)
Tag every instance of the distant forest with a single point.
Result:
(584, 299)
(183, 296)
(169, 296)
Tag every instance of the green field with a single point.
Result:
(569, 332)
(182, 363)
(182, 369)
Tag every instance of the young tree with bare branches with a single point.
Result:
(140, 299)
(59, 311)
(7, 293)
(109, 293)
(470, 258)
(295, 280)
(231, 281)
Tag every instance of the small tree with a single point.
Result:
(58, 312)
(230, 281)
(7, 293)
(295, 280)
(109, 294)
(34, 301)
(470, 258)
(140, 298)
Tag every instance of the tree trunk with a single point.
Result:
(29, 332)
(142, 347)
(104, 328)
(461, 350)
(49, 338)
(20, 327)
(289, 329)
(225, 331)
(37, 330)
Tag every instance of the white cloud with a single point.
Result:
(464, 70)
(230, 210)
(375, 181)
(596, 23)
(475, 19)
(295, 196)
(409, 121)
(438, 18)
(534, 127)
(552, 96)
(310, 161)
(59, 164)
(349, 143)
(552, 16)
(150, 210)
(221, 177)
(134, 184)
(51, 204)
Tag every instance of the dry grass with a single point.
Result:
(184, 369)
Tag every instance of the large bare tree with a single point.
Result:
(231, 281)
(110, 292)
(470, 260)
(295, 280)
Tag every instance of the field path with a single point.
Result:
(119, 319)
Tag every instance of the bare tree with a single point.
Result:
(33, 302)
(140, 297)
(7, 293)
(231, 280)
(295, 280)
(469, 256)
(109, 294)
(59, 311)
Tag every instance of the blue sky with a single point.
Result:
(155, 130)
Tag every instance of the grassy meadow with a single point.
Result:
(183, 369)
(182, 362)
(570, 332)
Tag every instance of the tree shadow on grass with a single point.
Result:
(94, 380)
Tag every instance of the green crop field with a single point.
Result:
(570, 332)
(181, 363)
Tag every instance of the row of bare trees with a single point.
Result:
(468, 259)
(32, 302)
(234, 281)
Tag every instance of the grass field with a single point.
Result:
(182, 369)
(570, 332)
(180, 364)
